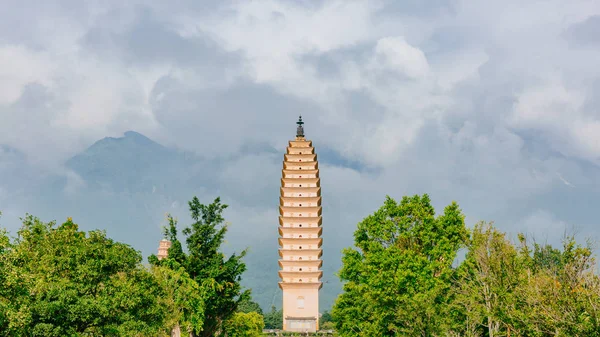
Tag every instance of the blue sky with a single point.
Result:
(493, 104)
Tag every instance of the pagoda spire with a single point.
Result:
(300, 129)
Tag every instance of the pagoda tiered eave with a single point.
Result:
(301, 242)
(314, 181)
(312, 201)
(300, 143)
(292, 211)
(300, 230)
(302, 285)
(304, 173)
(311, 253)
(301, 150)
(300, 157)
(301, 165)
(283, 220)
(300, 263)
(300, 274)
(295, 191)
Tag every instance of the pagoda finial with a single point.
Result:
(300, 129)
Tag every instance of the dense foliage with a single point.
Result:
(274, 319)
(243, 324)
(204, 263)
(526, 290)
(400, 279)
(59, 281)
(248, 305)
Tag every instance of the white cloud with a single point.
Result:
(558, 112)
(393, 53)
(21, 66)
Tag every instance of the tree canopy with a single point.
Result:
(60, 281)
(274, 319)
(399, 275)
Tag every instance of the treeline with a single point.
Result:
(403, 279)
(405, 276)
(56, 280)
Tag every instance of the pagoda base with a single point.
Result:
(301, 324)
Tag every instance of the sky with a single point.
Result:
(494, 104)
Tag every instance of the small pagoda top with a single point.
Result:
(300, 129)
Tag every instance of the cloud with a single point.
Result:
(393, 53)
(586, 32)
(493, 104)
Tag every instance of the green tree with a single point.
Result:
(243, 324)
(399, 276)
(562, 294)
(248, 306)
(325, 318)
(488, 282)
(217, 276)
(183, 301)
(274, 319)
(505, 289)
(59, 281)
(5, 295)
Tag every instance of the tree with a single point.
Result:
(59, 281)
(562, 295)
(489, 280)
(274, 319)
(399, 276)
(5, 295)
(325, 318)
(326, 321)
(243, 324)
(217, 276)
(184, 299)
(248, 306)
(527, 290)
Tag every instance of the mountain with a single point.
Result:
(125, 185)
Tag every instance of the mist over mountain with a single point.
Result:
(126, 185)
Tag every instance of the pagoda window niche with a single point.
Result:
(300, 301)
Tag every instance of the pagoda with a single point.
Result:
(163, 248)
(300, 235)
